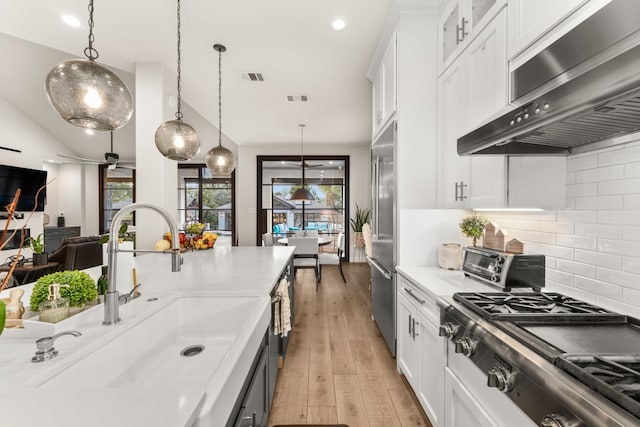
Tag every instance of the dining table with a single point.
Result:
(322, 240)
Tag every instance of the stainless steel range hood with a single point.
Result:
(579, 94)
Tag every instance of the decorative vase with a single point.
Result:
(358, 239)
(40, 259)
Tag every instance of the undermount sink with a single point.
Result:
(182, 344)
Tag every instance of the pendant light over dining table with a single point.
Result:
(175, 139)
(302, 194)
(219, 159)
(87, 94)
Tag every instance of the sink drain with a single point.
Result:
(192, 350)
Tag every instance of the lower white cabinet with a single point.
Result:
(421, 353)
(461, 407)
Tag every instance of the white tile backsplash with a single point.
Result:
(592, 247)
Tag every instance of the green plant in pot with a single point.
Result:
(361, 218)
(40, 257)
(473, 226)
(81, 289)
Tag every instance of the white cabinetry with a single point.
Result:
(384, 88)
(461, 407)
(460, 21)
(421, 352)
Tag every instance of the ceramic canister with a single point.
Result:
(450, 256)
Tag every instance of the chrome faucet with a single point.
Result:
(112, 300)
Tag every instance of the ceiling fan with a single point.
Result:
(111, 160)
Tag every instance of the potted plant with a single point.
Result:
(82, 289)
(40, 257)
(473, 226)
(362, 217)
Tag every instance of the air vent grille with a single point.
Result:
(297, 98)
(253, 77)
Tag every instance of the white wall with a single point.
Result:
(246, 182)
(592, 248)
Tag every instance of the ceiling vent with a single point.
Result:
(297, 98)
(253, 77)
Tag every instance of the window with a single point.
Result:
(327, 179)
(117, 190)
(207, 199)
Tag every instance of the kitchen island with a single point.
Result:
(120, 375)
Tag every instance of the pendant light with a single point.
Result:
(175, 139)
(87, 94)
(219, 159)
(302, 194)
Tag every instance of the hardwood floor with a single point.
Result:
(338, 368)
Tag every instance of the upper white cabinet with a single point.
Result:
(544, 21)
(384, 88)
(460, 21)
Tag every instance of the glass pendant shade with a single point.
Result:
(220, 160)
(302, 195)
(177, 140)
(88, 95)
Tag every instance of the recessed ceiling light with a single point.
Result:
(338, 24)
(70, 20)
(89, 131)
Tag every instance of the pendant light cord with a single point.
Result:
(90, 52)
(302, 126)
(219, 97)
(179, 113)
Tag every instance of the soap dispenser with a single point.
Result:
(56, 308)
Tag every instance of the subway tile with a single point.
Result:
(632, 170)
(585, 217)
(631, 232)
(618, 186)
(631, 264)
(532, 248)
(587, 161)
(600, 202)
(560, 277)
(632, 201)
(609, 231)
(557, 227)
(540, 237)
(571, 177)
(619, 247)
(526, 225)
(598, 287)
(599, 258)
(576, 268)
(617, 277)
(618, 307)
(631, 296)
(625, 217)
(570, 203)
(550, 262)
(600, 174)
(586, 189)
(577, 242)
(617, 157)
(557, 251)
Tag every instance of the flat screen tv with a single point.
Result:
(28, 181)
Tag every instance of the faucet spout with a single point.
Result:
(111, 298)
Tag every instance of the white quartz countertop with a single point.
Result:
(239, 272)
(443, 283)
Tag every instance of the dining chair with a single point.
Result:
(267, 239)
(305, 255)
(333, 259)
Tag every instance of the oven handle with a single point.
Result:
(410, 292)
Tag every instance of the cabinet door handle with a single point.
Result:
(409, 325)
(410, 292)
(459, 196)
(458, 32)
(415, 334)
(251, 419)
(463, 28)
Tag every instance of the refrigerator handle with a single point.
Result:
(378, 267)
(376, 197)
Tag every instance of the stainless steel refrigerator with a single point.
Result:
(383, 259)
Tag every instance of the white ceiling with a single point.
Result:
(288, 41)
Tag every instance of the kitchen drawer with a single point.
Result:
(423, 302)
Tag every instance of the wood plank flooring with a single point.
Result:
(338, 368)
